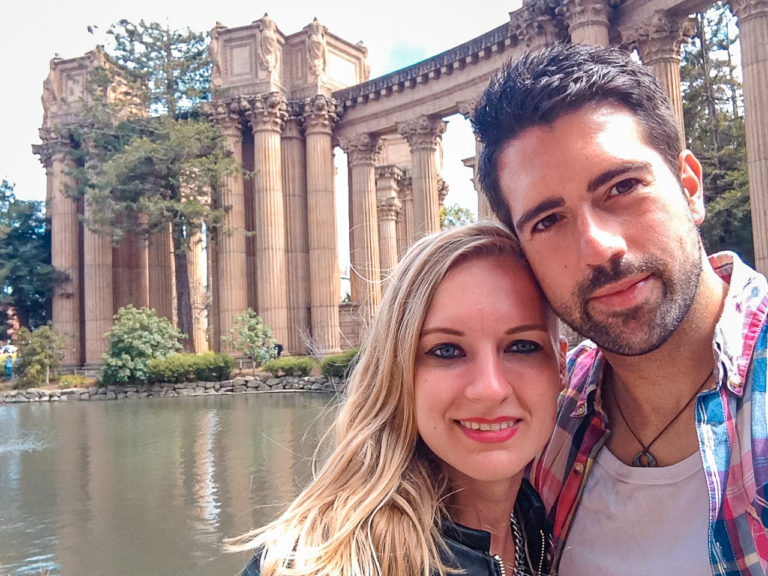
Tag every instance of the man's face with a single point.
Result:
(609, 230)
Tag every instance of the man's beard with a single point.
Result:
(645, 327)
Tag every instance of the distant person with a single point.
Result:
(659, 462)
(453, 395)
(8, 367)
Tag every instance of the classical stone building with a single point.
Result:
(285, 102)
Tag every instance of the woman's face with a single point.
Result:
(487, 373)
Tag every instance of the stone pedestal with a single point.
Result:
(422, 134)
(231, 283)
(267, 115)
(321, 207)
(296, 236)
(364, 256)
(753, 37)
(65, 258)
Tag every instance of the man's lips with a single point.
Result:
(620, 290)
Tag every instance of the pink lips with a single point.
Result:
(489, 431)
(622, 294)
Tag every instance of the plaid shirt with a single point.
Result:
(731, 422)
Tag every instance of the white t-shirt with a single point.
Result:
(640, 521)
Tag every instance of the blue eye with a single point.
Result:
(446, 351)
(524, 347)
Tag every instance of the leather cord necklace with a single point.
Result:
(644, 458)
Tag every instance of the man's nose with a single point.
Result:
(601, 238)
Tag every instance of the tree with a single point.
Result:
(714, 128)
(252, 337)
(137, 336)
(41, 352)
(147, 157)
(26, 275)
(455, 215)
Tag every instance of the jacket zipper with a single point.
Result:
(500, 562)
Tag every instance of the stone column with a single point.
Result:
(161, 276)
(231, 284)
(65, 258)
(422, 134)
(658, 42)
(389, 210)
(267, 115)
(364, 256)
(197, 291)
(297, 235)
(753, 39)
(97, 290)
(587, 20)
(325, 288)
(130, 271)
(405, 232)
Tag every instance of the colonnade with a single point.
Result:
(277, 248)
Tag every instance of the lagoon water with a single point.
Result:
(148, 486)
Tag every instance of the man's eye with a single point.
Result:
(624, 186)
(546, 222)
(446, 351)
(524, 347)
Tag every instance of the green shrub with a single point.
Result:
(41, 352)
(137, 336)
(252, 337)
(75, 381)
(176, 368)
(339, 365)
(290, 366)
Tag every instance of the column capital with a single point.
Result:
(577, 13)
(746, 9)
(392, 171)
(660, 36)
(442, 189)
(319, 113)
(362, 148)
(226, 115)
(467, 108)
(388, 208)
(422, 132)
(535, 25)
(267, 112)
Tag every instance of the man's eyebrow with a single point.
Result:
(603, 178)
(535, 211)
(595, 184)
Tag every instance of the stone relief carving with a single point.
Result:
(316, 50)
(422, 132)
(268, 56)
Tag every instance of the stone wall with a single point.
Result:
(240, 385)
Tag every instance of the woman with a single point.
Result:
(454, 393)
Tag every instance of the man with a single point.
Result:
(659, 462)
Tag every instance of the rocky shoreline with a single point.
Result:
(239, 385)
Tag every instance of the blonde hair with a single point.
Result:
(376, 505)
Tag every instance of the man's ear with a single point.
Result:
(693, 184)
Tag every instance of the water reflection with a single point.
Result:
(148, 486)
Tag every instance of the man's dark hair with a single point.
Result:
(542, 86)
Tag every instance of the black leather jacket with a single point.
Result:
(469, 549)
